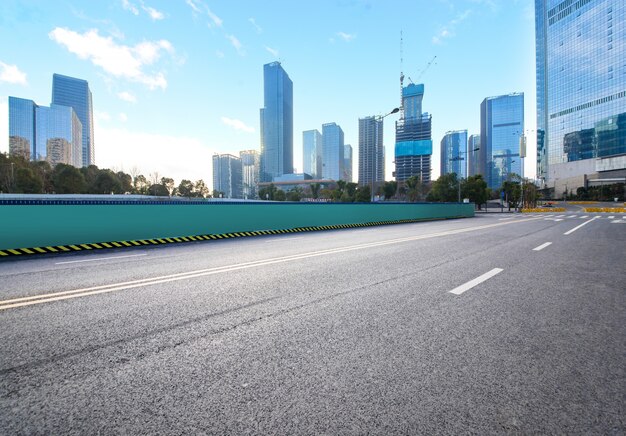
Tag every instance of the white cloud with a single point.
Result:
(154, 14)
(121, 61)
(127, 96)
(219, 54)
(347, 37)
(237, 44)
(256, 26)
(216, 20)
(101, 116)
(12, 74)
(237, 125)
(167, 155)
(272, 51)
(122, 117)
(192, 4)
(448, 31)
(128, 6)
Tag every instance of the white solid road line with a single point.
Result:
(584, 216)
(569, 232)
(283, 239)
(99, 258)
(95, 290)
(542, 246)
(477, 281)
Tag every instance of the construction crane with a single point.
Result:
(426, 68)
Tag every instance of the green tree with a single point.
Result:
(159, 190)
(141, 185)
(200, 189)
(280, 195)
(363, 194)
(126, 181)
(44, 170)
(512, 193)
(315, 190)
(90, 174)
(68, 180)
(475, 188)
(169, 184)
(185, 188)
(268, 192)
(28, 181)
(295, 194)
(444, 189)
(390, 189)
(106, 182)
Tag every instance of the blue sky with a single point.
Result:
(174, 81)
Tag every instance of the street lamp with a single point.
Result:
(376, 163)
(459, 158)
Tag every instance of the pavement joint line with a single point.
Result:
(569, 232)
(475, 282)
(100, 258)
(94, 290)
(542, 246)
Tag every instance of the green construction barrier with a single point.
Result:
(43, 225)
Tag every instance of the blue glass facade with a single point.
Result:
(581, 84)
(332, 152)
(59, 135)
(371, 151)
(312, 153)
(501, 125)
(75, 93)
(276, 123)
(454, 153)
(414, 145)
(473, 155)
(22, 127)
(347, 163)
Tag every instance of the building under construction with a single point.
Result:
(414, 145)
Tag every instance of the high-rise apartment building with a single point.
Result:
(371, 152)
(250, 173)
(332, 152)
(75, 93)
(473, 155)
(312, 153)
(501, 126)
(276, 123)
(227, 175)
(454, 154)
(581, 92)
(59, 135)
(414, 145)
(347, 163)
(22, 127)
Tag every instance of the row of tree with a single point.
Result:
(19, 175)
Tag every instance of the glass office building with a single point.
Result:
(414, 145)
(312, 153)
(59, 135)
(22, 127)
(581, 89)
(454, 153)
(347, 163)
(332, 152)
(276, 123)
(501, 126)
(75, 93)
(473, 155)
(227, 175)
(250, 172)
(371, 151)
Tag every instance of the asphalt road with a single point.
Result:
(339, 332)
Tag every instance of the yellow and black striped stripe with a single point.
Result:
(194, 238)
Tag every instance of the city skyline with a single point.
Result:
(197, 93)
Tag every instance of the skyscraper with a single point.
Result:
(414, 145)
(332, 152)
(347, 163)
(473, 155)
(581, 91)
(371, 152)
(250, 172)
(22, 127)
(59, 135)
(312, 153)
(75, 93)
(501, 125)
(276, 123)
(227, 175)
(454, 153)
